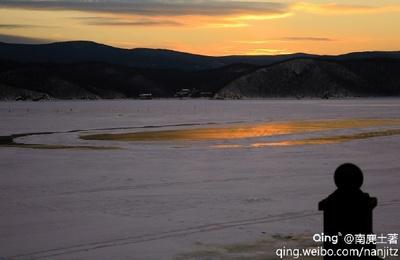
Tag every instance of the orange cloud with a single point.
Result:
(342, 9)
(225, 25)
(261, 16)
(265, 51)
(253, 42)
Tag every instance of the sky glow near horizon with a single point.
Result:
(210, 27)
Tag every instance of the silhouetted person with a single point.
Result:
(348, 210)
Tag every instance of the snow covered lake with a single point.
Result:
(186, 179)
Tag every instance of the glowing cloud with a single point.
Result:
(342, 9)
(266, 51)
(211, 27)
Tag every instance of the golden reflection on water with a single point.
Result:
(227, 146)
(317, 140)
(245, 131)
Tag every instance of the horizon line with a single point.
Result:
(196, 54)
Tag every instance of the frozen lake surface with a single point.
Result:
(185, 179)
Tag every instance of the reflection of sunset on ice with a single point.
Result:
(316, 140)
(191, 179)
(245, 131)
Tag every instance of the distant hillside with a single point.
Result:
(87, 70)
(85, 51)
(319, 78)
(100, 80)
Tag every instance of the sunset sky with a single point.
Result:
(211, 27)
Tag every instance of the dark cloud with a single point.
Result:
(14, 26)
(153, 7)
(22, 26)
(317, 39)
(109, 21)
(22, 39)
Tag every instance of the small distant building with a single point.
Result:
(185, 92)
(206, 94)
(146, 96)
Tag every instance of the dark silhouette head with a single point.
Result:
(348, 177)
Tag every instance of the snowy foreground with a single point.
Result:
(181, 199)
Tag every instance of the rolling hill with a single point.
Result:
(319, 78)
(87, 70)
